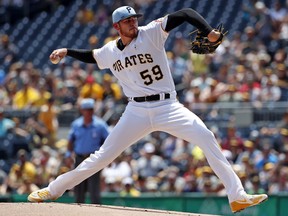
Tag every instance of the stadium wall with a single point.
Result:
(196, 203)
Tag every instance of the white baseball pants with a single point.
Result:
(140, 119)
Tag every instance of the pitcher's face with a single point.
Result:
(128, 27)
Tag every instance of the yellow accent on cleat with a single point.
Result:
(247, 201)
(40, 196)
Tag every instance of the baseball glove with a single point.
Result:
(201, 44)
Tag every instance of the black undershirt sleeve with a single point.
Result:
(191, 16)
(82, 55)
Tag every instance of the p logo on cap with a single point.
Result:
(124, 12)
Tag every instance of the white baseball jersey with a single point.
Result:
(142, 67)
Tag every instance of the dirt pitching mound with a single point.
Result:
(61, 209)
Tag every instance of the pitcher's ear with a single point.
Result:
(116, 26)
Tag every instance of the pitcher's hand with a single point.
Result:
(57, 55)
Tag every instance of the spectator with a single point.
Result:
(48, 116)
(152, 185)
(282, 82)
(269, 155)
(266, 175)
(141, 184)
(168, 146)
(277, 12)
(207, 180)
(16, 75)
(250, 87)
(283, 35)
(279, 181)
(76, 74)
(213, 91)
(192, 98)
(251, 152)
(281, 141)
(22, 174)
(65, 95)
(117, 170)
(199, 64)
(232, 137)
(110, 186)
(50, 82)
(44, 95)
(250, 41)
(129, 189)
(149, 164)
(256, 185)
(47, 162)
(86, 135)
(4, 100)
(271, 92)
(178, 66)
(27, 186)
(34, 76)
(37, 130)
(248, 166)
(173, 183)
(283, 123)
(6, 125)
(235, 45)
(263, 25)
(25, 97)
(246, 181)
(268, 75)
(190, 184)
(181, 155)
(230, 95)
(111, 88)
(91, 89)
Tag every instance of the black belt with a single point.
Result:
(155, 97)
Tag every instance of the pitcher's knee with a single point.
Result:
(204, 138)
(206, 133)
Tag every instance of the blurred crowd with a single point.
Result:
(13, 10)
(250, 66)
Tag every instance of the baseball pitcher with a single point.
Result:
(138, 60)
